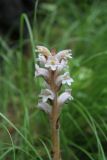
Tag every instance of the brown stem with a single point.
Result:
(55, 134)
(56, 155)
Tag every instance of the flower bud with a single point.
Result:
(43, 50)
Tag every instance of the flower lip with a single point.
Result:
(52, 63)
(67, 79)
(64, 97)
(47, 94)
(64, 79)
(45, 107)
(41, 72)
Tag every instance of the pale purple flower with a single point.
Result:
(65, 54)
(62, 65)
(52, 63)
(41, 72)
(64, 79)
(46, 94)
(65, 96)
(41, 58)
(45, 107)
(43, 50)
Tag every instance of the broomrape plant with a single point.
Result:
(51, 66)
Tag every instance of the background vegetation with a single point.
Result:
(24, 130)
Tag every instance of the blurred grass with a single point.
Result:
(24, 131)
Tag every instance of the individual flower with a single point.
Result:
(41, 72)
(64, 97)
(46, 94)
(65, 54)
(64, 79)
(62, 66)
(43, 50)
(45, 107)
(41, 58)
(52, 63)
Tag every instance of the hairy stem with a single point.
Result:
(56, 155)
(55, 134)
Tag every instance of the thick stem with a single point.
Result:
(56, 155)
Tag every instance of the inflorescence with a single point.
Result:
(52, 67)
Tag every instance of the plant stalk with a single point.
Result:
(56, 154)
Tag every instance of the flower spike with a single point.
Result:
(51, 66)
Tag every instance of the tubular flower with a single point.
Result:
(41, 72)
(46, 94)
(63, 64)
(64, 79)
(67, 79)
(43, 50)
(65, 54)
(41, 59)
(45, 107)
(64, 97)
(53, 64)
